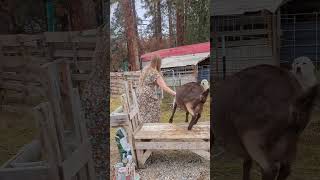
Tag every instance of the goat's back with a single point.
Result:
(255, 98)
(188, 92)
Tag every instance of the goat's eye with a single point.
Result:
(304, 63)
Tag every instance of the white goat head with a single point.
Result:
(304, 70)
(205, 84)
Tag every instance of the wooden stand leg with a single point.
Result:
(139, 154)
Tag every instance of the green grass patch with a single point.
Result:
(19, 130)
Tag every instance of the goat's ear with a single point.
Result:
(306, 100)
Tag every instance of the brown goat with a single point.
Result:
(259, 114)
(190, 97)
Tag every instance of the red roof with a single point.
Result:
(178, 51)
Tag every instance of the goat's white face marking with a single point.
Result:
(205, 84)
(304, 70)
(303, 66)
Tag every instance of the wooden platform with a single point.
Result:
(144, 138)
(165, 136)
(173, 131)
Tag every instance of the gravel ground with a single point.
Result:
(171, 165)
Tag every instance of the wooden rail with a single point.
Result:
(21, 58)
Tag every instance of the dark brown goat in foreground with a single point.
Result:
(259, 114)
(190, 97)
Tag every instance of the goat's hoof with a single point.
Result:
(189, 128)
(170, 121)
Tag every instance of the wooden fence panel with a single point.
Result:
(21, 58)
(117, 79)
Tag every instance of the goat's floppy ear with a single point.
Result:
(306, 100)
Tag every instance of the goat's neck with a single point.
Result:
(306, 81)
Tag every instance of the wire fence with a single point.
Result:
(247, 40)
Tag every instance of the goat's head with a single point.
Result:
(205, 84)
(304, 70)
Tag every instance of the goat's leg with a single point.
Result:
(187, 114)
(247, 164)
(173, 111)
(284, 172)
(192, 121)
(198, 117)
(252, 142)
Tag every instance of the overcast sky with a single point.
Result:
(140, 13)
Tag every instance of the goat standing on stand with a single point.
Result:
(190, 97)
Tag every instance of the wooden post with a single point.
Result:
(49, 141)
(55, 100)
(223, 56)
(66, 93)
(275, 37)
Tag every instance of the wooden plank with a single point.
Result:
(134, 112)
(71, 53)
(84, 135)
(49, 139)
(136, 105)
(8, 163)
(76, 161)
(29, 164)
(31, 152)
(243, 32)
(173, 131)
(54, 97)
(25, 173)
(27, 77)
(14, 61)
(75, 36)
(76, 109)
(140, 158)
(21, 98)
(244, 43)
(85, 65)
(66, 93)
(15, 108)
(17, 39)
(27, 88)
(202, 153)
(118, 119)
(80, 77)
(146, 155)
(172, 145)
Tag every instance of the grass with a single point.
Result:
(166, 109)
(306, 166)
(19, 129)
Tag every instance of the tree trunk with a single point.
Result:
(75, 15)
(89, 13)
(95, 101)
(158, 24)
(170, 14)
(136, 25)
(180, 22)
(131, 35)
(82, 14)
